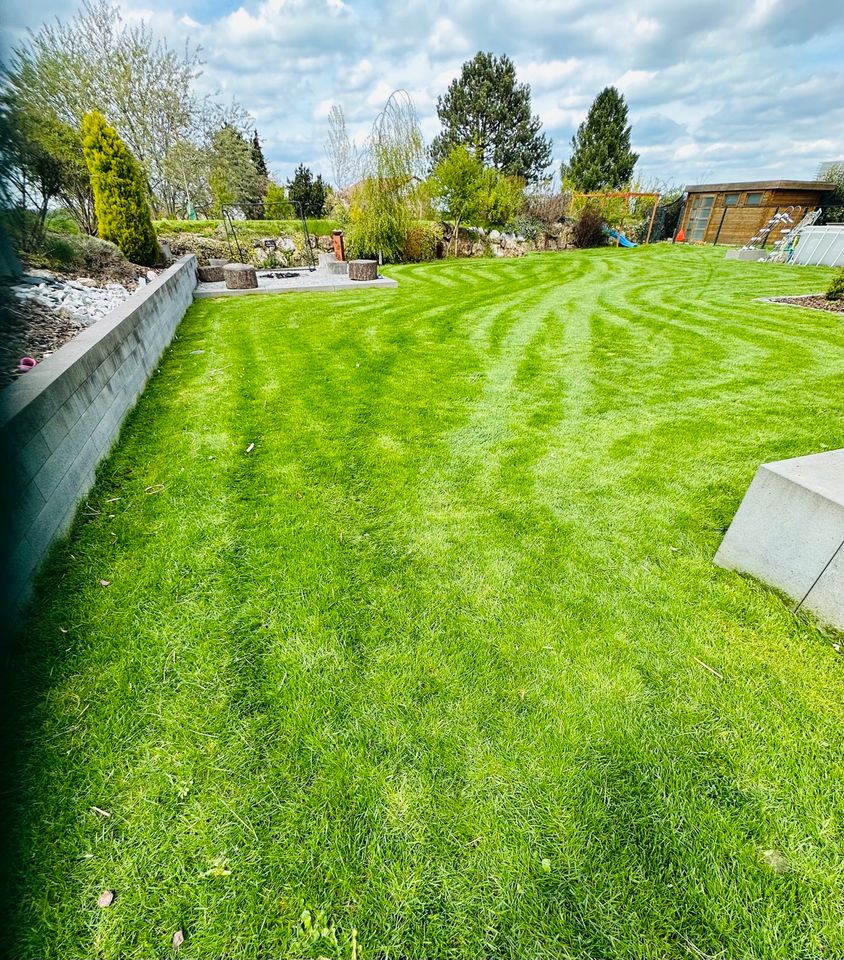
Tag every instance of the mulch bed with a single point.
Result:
(814, 302)
(29, 330)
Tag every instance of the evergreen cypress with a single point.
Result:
(120, 196)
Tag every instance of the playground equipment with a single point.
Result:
(620, 239)
(630, 197)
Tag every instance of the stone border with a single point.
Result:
(58, 421)
(779, 302)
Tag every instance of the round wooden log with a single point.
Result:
(240, 276)
(211, 274)
(363, 269)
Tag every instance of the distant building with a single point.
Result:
(733, 213)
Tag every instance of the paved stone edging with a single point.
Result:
(58, 421)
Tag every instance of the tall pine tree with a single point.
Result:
(601, 157)
(258, 160)
(488, 112)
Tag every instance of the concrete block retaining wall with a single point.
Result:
(58, 421)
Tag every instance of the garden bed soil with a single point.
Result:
(32, 329)
(813, 301)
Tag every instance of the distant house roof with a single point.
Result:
(821, 186)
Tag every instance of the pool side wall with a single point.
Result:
(60, 420)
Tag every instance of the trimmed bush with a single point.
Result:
(422, 241)
(836, 288)
(120, 199)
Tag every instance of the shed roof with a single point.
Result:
(821, 186)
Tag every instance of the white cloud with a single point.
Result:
(734, 92)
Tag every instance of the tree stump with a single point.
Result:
(211, 274)
(363, 269)
(240, 276)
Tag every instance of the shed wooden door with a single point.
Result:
(699, 217)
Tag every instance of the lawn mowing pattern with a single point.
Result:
(423, 662)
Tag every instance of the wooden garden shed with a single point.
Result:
(733, 213)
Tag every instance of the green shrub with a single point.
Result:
(423, 242)
(81, 252)
(59, 249)
(529, 227)
(836, 288)
(276, 204)
(61, 221)
(97, 256)
(120, 199)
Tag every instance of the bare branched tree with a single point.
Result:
(145, 89)
(340, 150)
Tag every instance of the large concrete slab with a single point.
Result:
(788, 532)
(322, 280)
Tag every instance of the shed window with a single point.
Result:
(754, 200)
(731, 200)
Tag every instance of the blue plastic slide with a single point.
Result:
(622, 240)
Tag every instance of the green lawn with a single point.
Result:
(428, 661)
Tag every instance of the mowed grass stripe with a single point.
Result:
(422, 661)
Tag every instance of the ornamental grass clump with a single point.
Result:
(120, 200)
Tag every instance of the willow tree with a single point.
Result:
(393, 164)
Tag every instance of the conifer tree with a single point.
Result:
(601, 156)
(489, 113)
(120, 196)
(311, 193)
(258, 160)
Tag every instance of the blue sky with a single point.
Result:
(718, 89)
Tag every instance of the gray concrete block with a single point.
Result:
(789, 529)
(29, 504)
(31, 458)
(23, 564)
